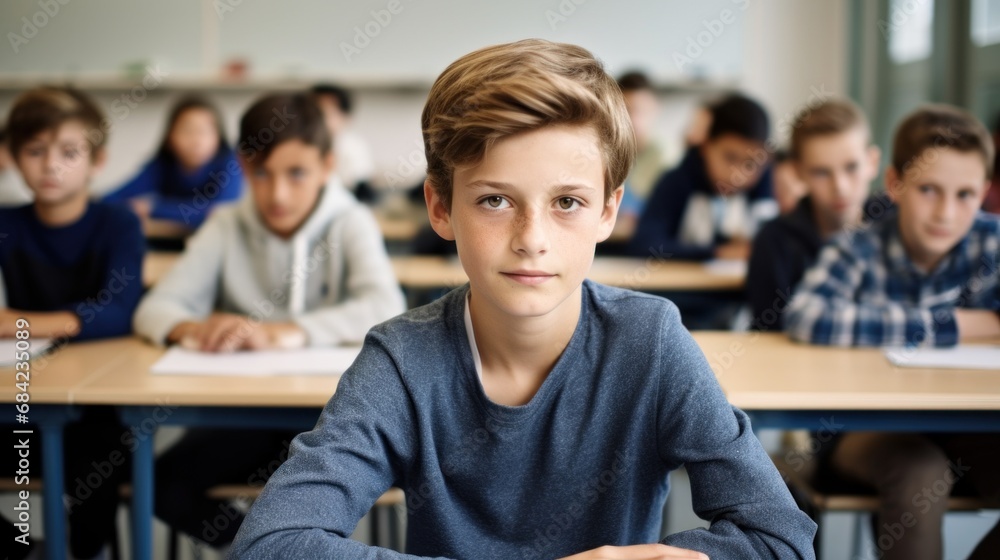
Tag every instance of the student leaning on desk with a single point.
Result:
(530, 413)
(926, 274)
(298, 262)
(72, 268)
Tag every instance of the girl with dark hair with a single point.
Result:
(193, 170)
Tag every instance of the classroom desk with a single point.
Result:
(779, 383)
(53, 380)
(786, 385)
(424, 272)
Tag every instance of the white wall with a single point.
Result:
(786, 48)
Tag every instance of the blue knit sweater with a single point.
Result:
(585, 463)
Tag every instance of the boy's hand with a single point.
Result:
(654, 551)
(737, 249)
(227, 332)
(141, 206)
(977, 324)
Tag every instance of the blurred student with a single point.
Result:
(355, 164)
(498, 407)
(831, 151)
(13, 191)
(789, 188)
(992, 202)
(709, 206)
(73, 269)
(297, 263)
(193, 171)
(924, 275)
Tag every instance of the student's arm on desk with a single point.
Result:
(372, 293)
(359, 448)
(975, 324)
(93, 317)
(734, 484)
(187, 293)
(830, 307)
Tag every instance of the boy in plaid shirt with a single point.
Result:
(926, 274)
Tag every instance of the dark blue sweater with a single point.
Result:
(659, 226)
(584, 464)
(182, 197)
(92, 267)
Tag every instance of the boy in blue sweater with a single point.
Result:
(530, 413)
(73, 269)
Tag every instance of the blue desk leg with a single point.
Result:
(142, 499)
(52, 420)
(52, 495)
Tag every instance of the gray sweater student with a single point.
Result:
(297, 262)
(532, 413)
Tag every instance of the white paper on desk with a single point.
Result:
(959, 357)
(727, 267)
(8, 348)
(307, 361)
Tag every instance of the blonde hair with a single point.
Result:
(502, 90)
(830, 117)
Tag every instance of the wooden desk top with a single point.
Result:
(768, 371)
(757, 372)
(126, 380)
(635, 273)
(55, 376)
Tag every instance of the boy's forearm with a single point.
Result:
(976, 324)
(43, 324)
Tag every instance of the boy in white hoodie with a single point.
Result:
(297, 263)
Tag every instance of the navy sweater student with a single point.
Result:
(530, 413)
(832, 154)
(709, 205)
(193, 170)
(71, 268)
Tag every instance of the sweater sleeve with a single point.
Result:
(767, 276)
(840, 304)
(656, 232)
(224, 186)
(147, 181)
(188, 291)
(734, 484)
(359, 448)
(372, 292)
(108, 312)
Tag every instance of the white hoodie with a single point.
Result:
(333, 278)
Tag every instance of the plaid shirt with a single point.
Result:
(865, 291)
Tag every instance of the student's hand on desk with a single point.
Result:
(977, 323)
(227, 332)
(737, 249)
(653, 551)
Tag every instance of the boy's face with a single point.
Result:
(194, 138)
(335, 119)
(287, 185)
(837, 169)
(733, 163)
(938, 198)
(642, 111)
(57, 164)
(526, 219)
